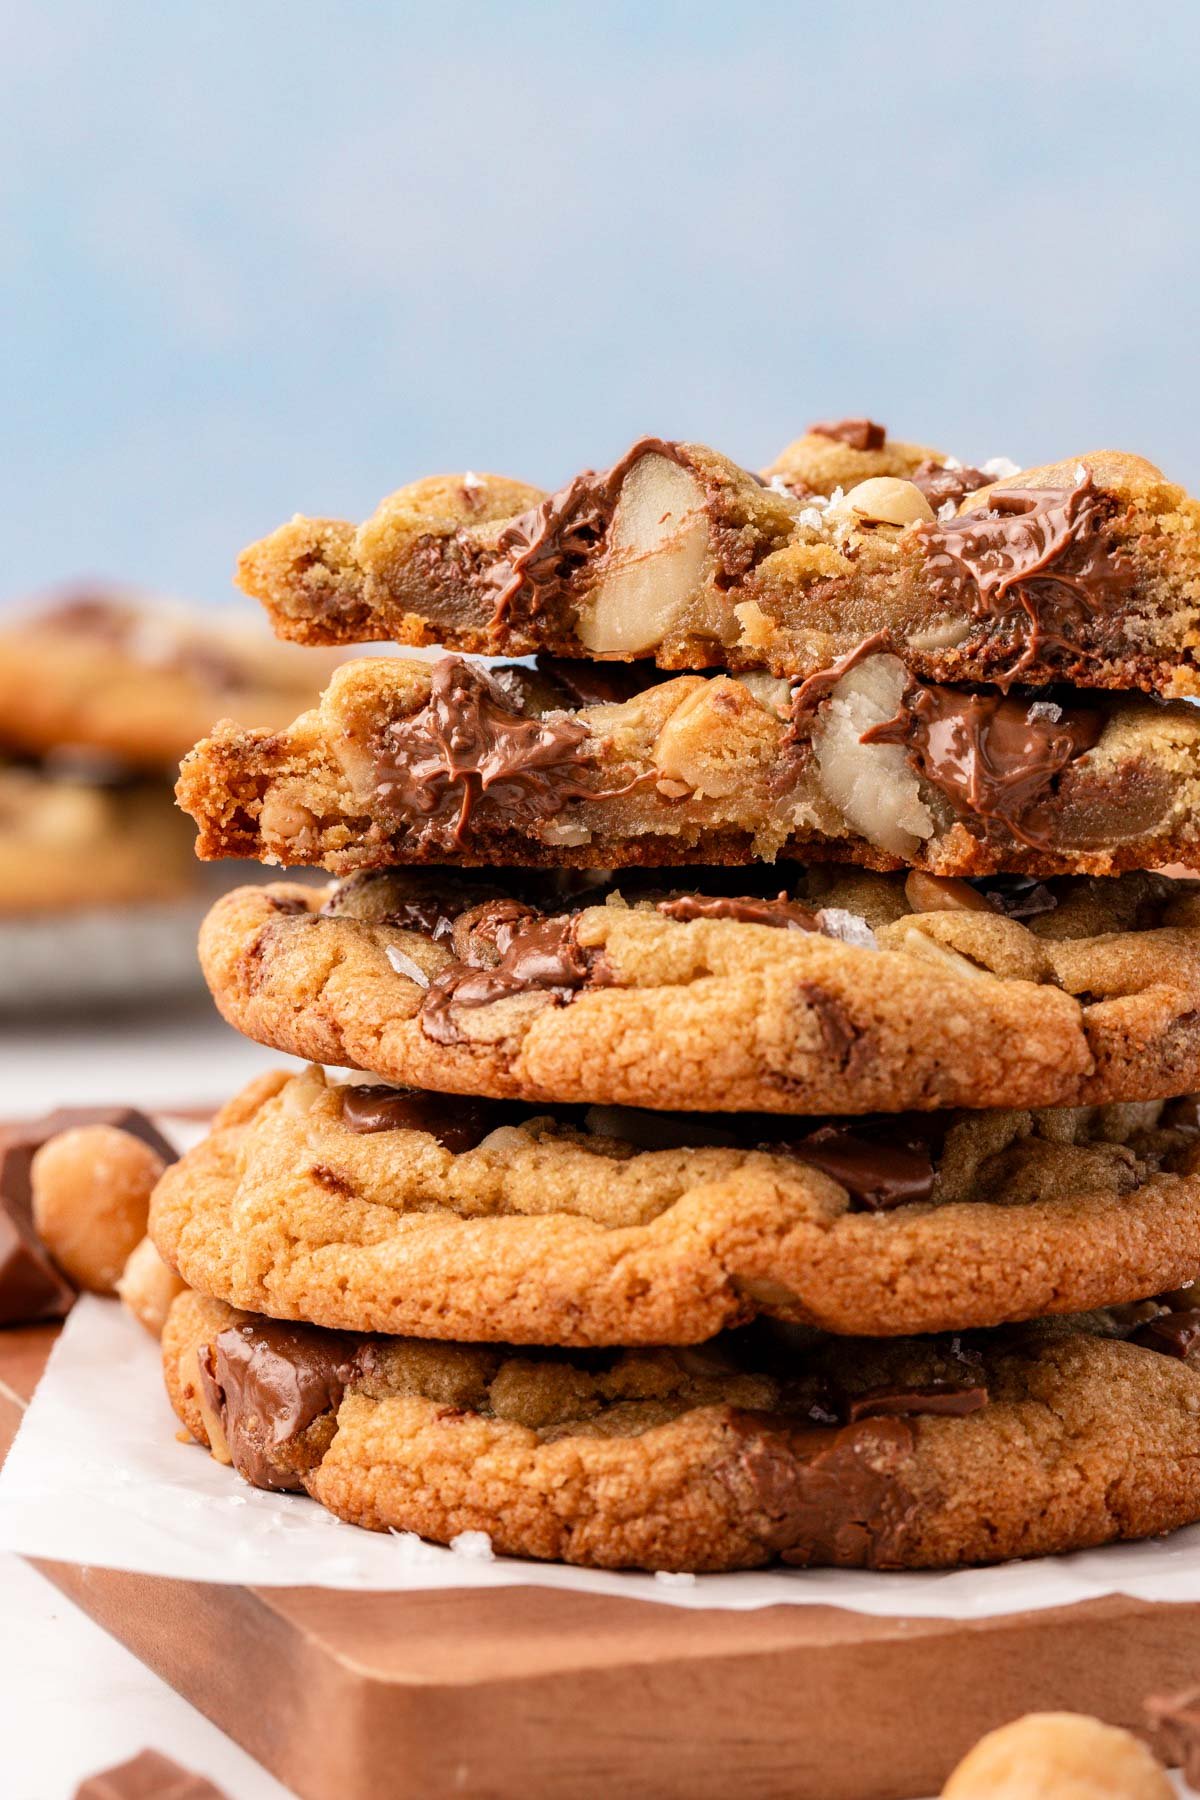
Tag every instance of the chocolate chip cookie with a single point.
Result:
(759, 1446)
(409, 761)
(380, 1209)
(840, 994)
(69, 841)
(1085, 571)
(140, 681)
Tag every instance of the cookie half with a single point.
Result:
(407, 761)
(386, 1210)
(1084, 571)
(835, 997)
(902, 1453)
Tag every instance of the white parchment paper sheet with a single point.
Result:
(98, 1476)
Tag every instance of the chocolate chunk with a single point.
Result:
(994, 756)
(787, 914)
(149, 1776)
(878, 1173)
(31, 1288)
(468, 747)
(428, 914)
(1018, 897)
(546, 546)
(289, 906)
(841, 1038)
(823, 1496)
(268, 1382)
(1174, 1334)
(950, 1398)
(1174, 1728)
(536, 956)
(940, 483)
(859, 434)
(810, 696)
(596, 684)
(1182, 1114)
(456, 1122)
(1045, 559)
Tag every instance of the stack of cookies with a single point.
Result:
(767, 1132)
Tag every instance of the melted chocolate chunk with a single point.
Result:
(536, 955)
(859, 434)
(546, 546)
(467, 747)
(811, 695)
(268, 1382)
(783, 912)
(432, 915)
(952, 1399)
(821, 1496)
(1043, 559)
(993, 756)
(1174, 1334)
(879, 1172)
(456, 1122)
(939, 483)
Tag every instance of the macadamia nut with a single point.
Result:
(1058, 1756)
(147, 1287)
(91, 1199)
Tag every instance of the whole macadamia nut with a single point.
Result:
(91, 1198)
(1058, 1756)
(147, 1287)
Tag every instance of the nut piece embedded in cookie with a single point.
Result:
(656, 560)
(91, 1200)
(1059, 1756)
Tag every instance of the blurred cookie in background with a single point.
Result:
(140, 679)
(74, 836)
(101, 693)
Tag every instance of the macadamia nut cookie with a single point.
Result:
(1085, 571)
(386, 1210)
(845, 993)
(895, 1453)
(139, 680)
(408, 761)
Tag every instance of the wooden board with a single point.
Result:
(527, 1692)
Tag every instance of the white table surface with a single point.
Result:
(72, 1700)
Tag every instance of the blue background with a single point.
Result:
(266, 258)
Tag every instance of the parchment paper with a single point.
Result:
(98, 1476)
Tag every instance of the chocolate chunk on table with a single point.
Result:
(148, 1776)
